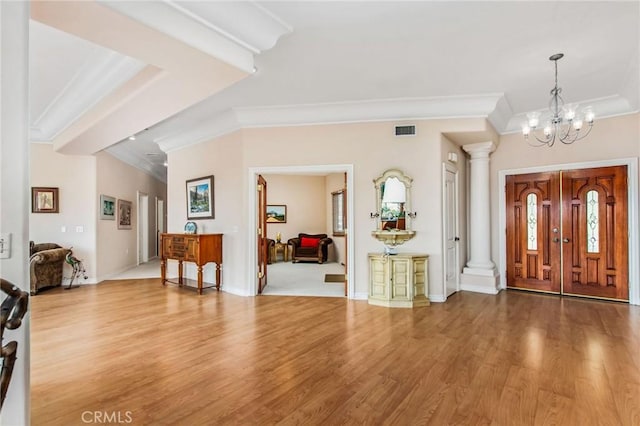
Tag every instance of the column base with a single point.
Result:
(480, 280)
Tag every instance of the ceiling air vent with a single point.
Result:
(406, 130)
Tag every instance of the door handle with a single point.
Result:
(456, 239)
(556, 240)
(565, 240)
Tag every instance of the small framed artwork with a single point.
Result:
(276, 213)
(200, 200)
(44, 200)
(107, 207)
(124, 214)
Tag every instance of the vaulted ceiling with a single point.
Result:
(175, 73)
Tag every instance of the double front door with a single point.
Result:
(567, 232)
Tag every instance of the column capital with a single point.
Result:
(479, 150)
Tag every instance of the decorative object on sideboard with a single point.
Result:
(190, 228)
(200, 198)
(44, 200)
(393, 209)
(564, 124)
(107, 207)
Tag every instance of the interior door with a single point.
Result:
(262, 233)
(533, 231)
(451, 230)
(595, 237)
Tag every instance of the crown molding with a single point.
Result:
(101, 74)
(211, 27)
(333, 113)
(258, 30)
(203, 131)
(494, 107)
(371, 110)
(609, 106)
(138, 161)
(500, 116)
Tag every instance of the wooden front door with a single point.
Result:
(533, 231)
(567, 232)
(595, 240)
(262, 233)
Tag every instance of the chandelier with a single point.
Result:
(563, 125)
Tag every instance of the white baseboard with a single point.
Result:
(360, 296)
(437, 298)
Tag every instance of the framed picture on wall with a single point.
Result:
(107, 207)
(124, 214)
(44, 200)
(200, 199)
(276, 213)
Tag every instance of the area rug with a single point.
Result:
(334, 278)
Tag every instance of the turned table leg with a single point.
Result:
(218, 277)
(199, 279)
(163, 270)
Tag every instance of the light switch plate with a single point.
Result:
(5, 246)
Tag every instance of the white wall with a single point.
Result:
(304, 197)
(74, 225)
(371, 147)
(223, 160)
(117, 249)
(14, 189)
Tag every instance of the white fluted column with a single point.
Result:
(480, 274)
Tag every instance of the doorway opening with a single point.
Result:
(572, 230)
(159, 223)
(450, 226)
(278, 266)
(143, 227)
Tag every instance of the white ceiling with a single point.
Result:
(347, 61)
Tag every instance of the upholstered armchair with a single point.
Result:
(46, 262)
(310, 247)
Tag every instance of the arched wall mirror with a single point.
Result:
(393, 208)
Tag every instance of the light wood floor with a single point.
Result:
(170, 357)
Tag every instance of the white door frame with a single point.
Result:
(143, 227)
(632, 190)
(252, 225)
(446, 167)
(159, 223)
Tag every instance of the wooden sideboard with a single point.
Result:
(197, 248)
(399, 280)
